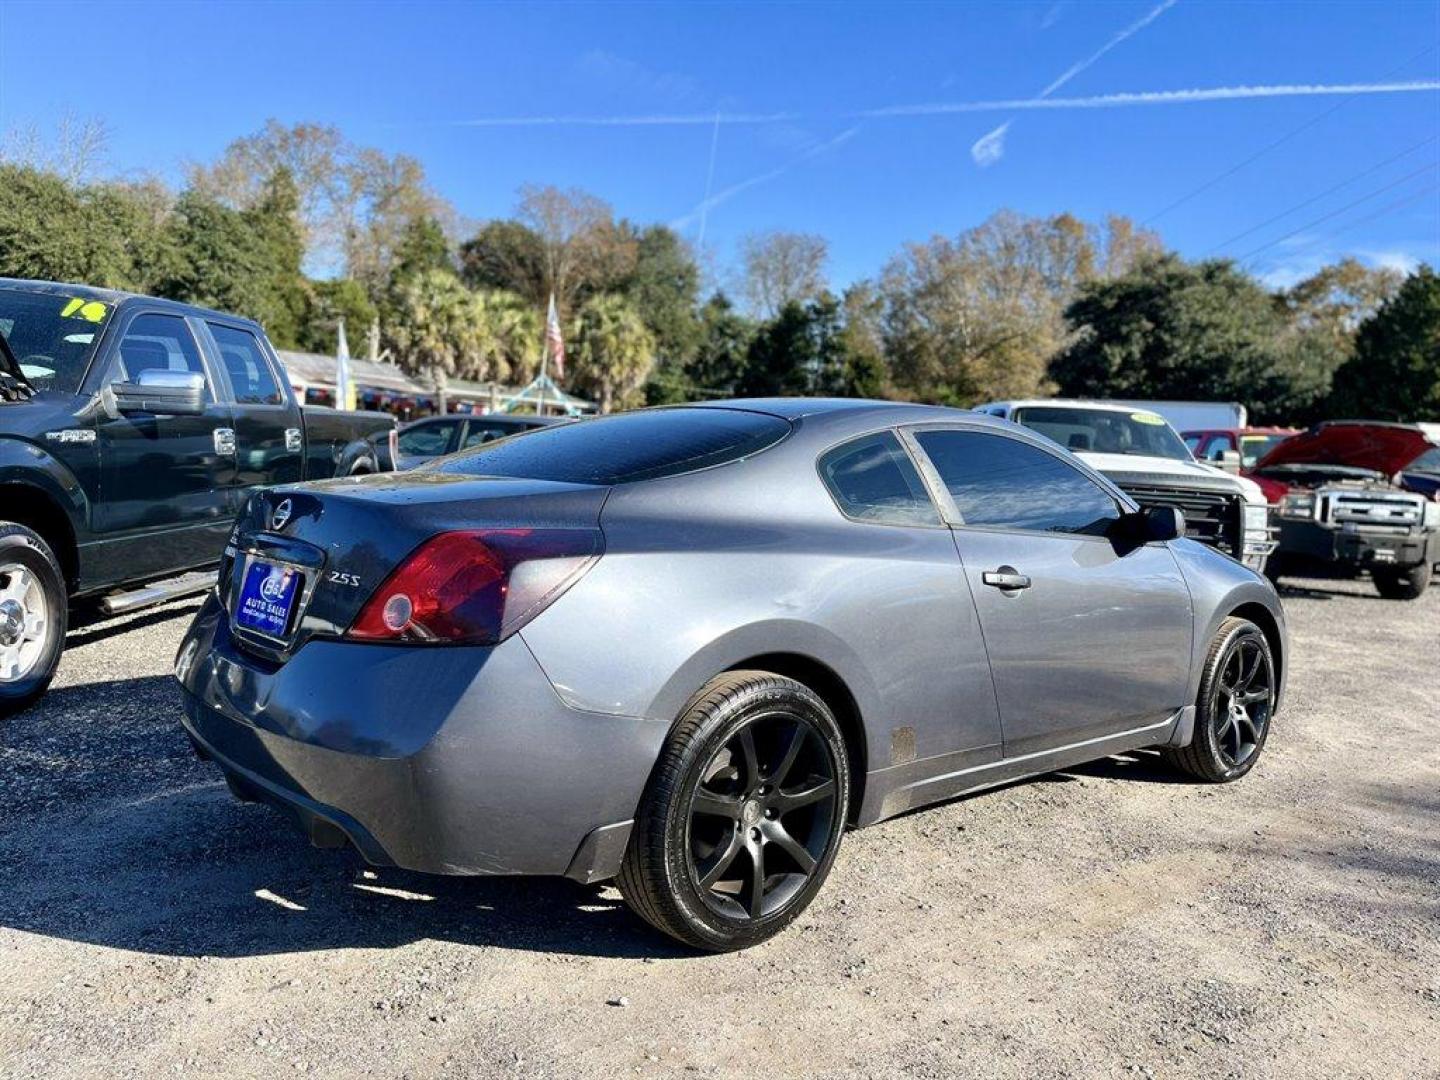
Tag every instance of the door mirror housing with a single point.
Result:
(1162, 523)
(1146, 525)
(162, 393)
(1230, 460)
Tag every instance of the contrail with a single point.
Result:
(726, 194)
(1129, 31)
(990, 147)
(709, 182)
(654, 120)
(1151, 97)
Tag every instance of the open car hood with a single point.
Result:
(1384, 448)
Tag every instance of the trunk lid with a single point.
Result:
(344, 537)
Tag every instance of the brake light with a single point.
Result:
(476, 587)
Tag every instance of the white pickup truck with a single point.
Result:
(1142, 454)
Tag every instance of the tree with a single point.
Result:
(1394, 373)
(781, 268)
(355, 203)
(330, 302)
(613, 352)
(244, 261)
(663, 285)
(720, 356)
(507, 255)
(812, 350)
(979, 315)
(1172, 329)
(1322, 314)
(423, 246)
(103, 234)
(581, 248)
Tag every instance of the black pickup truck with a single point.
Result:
(131, 431)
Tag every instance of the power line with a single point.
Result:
(1336, 213)
(1324, 194)
(1278, 142)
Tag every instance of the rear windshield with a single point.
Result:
(620, 449)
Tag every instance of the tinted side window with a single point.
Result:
(481, 431)
(428, 440)
(873, 479)
(642, 445)
(1004, 483)
(157, 343)
(250, 372)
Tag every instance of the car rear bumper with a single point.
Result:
(440, 760)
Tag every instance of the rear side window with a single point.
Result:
(1003, 483)
(250, 372)
(642, 445)
(873, 479)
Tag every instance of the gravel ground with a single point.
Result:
(1107, 921)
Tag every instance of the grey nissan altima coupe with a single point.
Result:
(687, 647)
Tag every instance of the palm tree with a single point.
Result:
(613, 352)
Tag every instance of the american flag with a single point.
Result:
(554, 343)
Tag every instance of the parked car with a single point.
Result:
(1345, 509)
(436, 436)
(1141, 452)
(131, 430)
(687, 646)
(1239, 450)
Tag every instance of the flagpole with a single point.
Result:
(544, 363)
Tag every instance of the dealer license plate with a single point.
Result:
(267, 598)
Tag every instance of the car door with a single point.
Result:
(269, 431)
(165, 481)
(1086, 636)
(925, 642)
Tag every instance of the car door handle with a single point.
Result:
(294, 439)
(1005, 578)
(224, 440)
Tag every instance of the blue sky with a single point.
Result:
(859, 121)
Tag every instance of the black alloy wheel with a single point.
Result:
(743, 815)
(1236, 704)
(761, 816)
(1244, 698)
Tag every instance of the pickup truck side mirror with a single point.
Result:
(1230, 460)
(161, 392)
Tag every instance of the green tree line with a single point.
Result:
(300, 229)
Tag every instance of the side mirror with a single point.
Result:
(1230, 460)
(1162, 523)
(162, 393)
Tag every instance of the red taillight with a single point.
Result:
(476, 587)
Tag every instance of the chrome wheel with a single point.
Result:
(762, 816)
(1244, 701)
(24, 622)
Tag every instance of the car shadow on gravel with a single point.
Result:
(89, 625)
(1146, 766)
(187, 871)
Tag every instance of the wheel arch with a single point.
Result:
(31, 506)
(831, 689)
(1262, 617)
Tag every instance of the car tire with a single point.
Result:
(1395, 583)
(1234, 708)
(753, 785)
(32, 587)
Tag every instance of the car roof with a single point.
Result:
(796, 408)
(116, 297)
(1088, 403)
